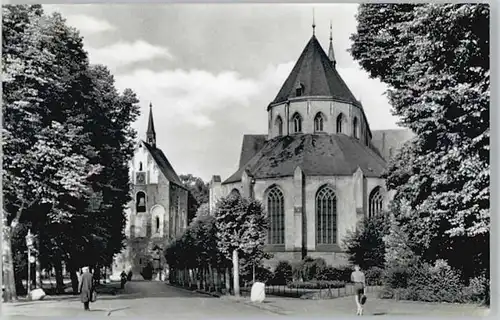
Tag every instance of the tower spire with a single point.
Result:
(150, 133)
(331, 55)
(314, 24)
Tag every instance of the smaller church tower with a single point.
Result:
(151, 134)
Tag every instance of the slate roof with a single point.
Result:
(316, 154)
(252, 143)
(316, 72)
(164, 165)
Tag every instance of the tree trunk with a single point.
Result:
(9, 281)
(38, 272)
(74, 281)
(228, 281)
(59, 277)
(236, 273)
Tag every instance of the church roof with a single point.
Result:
(319, 78)
(252, 143)
(164, 165)
(315, 154)
(389, 141)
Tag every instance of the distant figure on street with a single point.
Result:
(358, 278)
(86, 288)
(123, 279)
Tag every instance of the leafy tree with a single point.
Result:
(435, 60)
(198, 193)
(66, 136)
(241, 227)
(365, 245)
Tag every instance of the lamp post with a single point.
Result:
(29, 244)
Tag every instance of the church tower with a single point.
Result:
(150, 133)
(331, 55)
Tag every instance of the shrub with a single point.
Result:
(477, 290)
(317, 284)
(282, 273)
(365, 246)
(263, 274)
(396, 277)
(308, 269)
(374, 276)
(335, 273)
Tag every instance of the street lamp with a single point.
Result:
(29, 244)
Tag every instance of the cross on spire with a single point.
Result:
(314, 23)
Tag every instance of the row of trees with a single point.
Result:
(236, 232)
(67, 140)
(435, 61)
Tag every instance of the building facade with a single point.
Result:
(318, 169)
(157, 213)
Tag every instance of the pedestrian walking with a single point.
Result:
(123, 279)
(87, 289)
(358, 278)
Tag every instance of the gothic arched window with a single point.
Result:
(297, 123)
(326, 216)
(340, 119)
(279, 124)
(375, 202)
(318, 122)
(276, 212)
(158, 224)
(355, 127)
(140, 166)
(140, 202)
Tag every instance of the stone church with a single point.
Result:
(318, 169)
(157, 213)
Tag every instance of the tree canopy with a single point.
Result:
(435, 60)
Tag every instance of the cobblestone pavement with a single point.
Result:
(141, 299)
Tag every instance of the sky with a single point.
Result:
(210, 70)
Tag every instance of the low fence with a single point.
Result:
(219, 281)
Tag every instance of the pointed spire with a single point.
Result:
(331, 55)
(150, 133)
(314, 24)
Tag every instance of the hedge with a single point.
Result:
(317, 284)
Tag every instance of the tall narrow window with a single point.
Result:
(140, 166)
(297, 123)
(279, 124)
(376, 202)
(157, 224)
(355, 127)
(326, 216)
(318, 122)
(276, 212)
(340, 119)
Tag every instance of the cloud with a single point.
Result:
(88, 24)
(122, 53)
(371, 92)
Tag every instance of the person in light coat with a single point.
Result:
(86, 288)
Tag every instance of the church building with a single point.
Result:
(318, 169)
(157, 213)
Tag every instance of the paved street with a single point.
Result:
(143, 299)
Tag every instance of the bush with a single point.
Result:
(478, 290)
(282, 273)
(396, 277)
(317, 284)
(335, 274)
(308, 269)
(374, 276)
(365, 246)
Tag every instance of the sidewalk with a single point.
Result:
(373, 307)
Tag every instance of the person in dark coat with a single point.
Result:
(86, 288)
